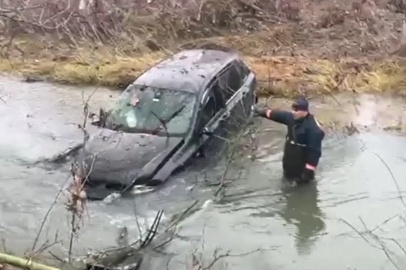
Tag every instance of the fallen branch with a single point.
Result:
(392, 176)
(77, 196)
(181, 216)
(217, 257)
(197, 263)
(230, 157)
(63, 156)
(24, 263)
(48, 213)
(380, 245)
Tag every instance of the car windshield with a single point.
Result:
(152, 110)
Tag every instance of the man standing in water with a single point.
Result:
(304, 138)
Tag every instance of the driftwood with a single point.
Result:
(129, 257)
(63, 156)
(23, 263)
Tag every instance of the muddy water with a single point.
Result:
(320, 226)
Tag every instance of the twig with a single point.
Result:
(198, 263)
(56, 257)
(390, 258)
(230, 158)
(46, 246)
(47, 214)
(137, 221)
(168, 262)
(164, 242)
(381, 245)
(359, 233)
(77, 196)
(86, 116)
(399, 245)
(383, 223)
(393, 177)
(72, 232)
(153, 230)
(175, 222)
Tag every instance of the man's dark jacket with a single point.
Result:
(303, 142)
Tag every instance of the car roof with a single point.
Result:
(188, 70)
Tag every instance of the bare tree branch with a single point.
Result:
(393, 178)
(48, 212)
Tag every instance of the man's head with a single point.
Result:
(300, 107)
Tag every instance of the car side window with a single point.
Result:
(245, 71)
(207, 112)
(220, 98)
(232, 79)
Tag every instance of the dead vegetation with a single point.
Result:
(351, 45)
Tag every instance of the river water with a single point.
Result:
(338, 222)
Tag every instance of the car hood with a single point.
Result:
(115, 158)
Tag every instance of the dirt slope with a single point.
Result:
(315, 46)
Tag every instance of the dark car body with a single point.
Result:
(215, 86)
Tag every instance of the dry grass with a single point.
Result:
(277, 75)
(285, 76)
(290, 46)
(83, 66)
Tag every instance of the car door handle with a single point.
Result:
(224, 116)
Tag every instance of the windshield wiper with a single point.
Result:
(165, 121)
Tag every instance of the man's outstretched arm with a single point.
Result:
(279, 116)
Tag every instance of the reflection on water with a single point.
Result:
(302, 210)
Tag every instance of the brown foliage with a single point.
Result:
(105, 21)
(109, 42)
(399, 6)
(157, 24)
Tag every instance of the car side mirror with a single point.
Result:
(101, 118)
(206, 131)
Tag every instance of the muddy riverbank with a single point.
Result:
(322, 47)
(280, 75)
(288, 228)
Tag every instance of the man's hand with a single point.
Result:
(262, 111)
(307, 176)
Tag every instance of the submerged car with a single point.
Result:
(164, 118)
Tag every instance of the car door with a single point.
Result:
(248, 84)
(237, 85)
(210, 113)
